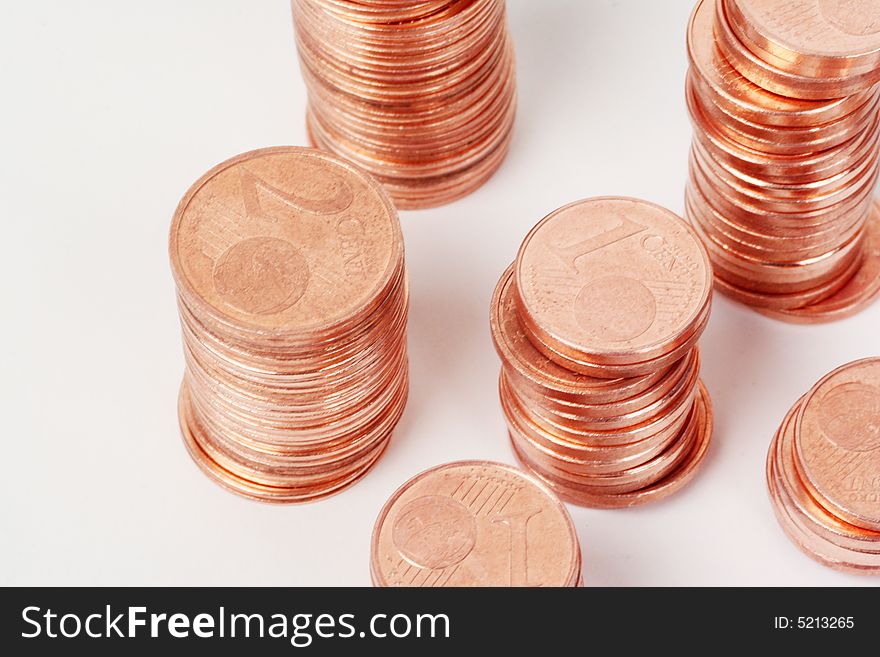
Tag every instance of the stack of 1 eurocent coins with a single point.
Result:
(422, 94)
(293, 298)
(596, 325)
(475, 523)
(783, 98)
(823, 469)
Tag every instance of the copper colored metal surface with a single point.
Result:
(613, 282)
(682, 469)
(823, 469)
(596, 325)
(293, 304)
(783, 98)
(421, 95)
(474, 523)
(860, 291)
(815, 38)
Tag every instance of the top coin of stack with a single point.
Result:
(293, 302)
(421, 95)
(596, 325)
(823, 469)
(474, 523)
(783, 97)
(829, 48)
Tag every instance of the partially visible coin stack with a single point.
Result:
(420, 94)
(474, 523)
(783, 98)
(293, 301)
(596, 325)
(823, 469)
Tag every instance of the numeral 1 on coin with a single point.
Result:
(518, 526)
(572, 253)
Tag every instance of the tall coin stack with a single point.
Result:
(420, 94)
(783, 98)
(823, 469)
(293, 303)
(596, 325)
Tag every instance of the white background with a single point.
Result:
(110, 110)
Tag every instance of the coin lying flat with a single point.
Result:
(264, 239)
(422, 95)
(812, 37)
(293, 304)
(474, 523)
(823, 469)
(838, 442)
(612, 281)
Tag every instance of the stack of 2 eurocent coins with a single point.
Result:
(783, 98)
(823, 469)
(596, 325)
(422, 94)
(293, 299)
(475, 523)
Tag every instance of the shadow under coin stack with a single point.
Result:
(783, 98)
(823, 469)
(293, 303)
(474, 523)
(596, 324)
(422, 95)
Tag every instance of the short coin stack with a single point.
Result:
(596, 325)
(293, 303)
(783, 97)
(474, 523)
(422, 94)
(823, 469)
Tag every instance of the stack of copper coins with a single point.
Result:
(823, 469)
(596, 324)
(420, 94)
(475, 523)
(293, 302)
(783, 97)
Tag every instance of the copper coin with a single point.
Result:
(606, 451)
(523, 358)
(743, 98)
(756, 67)
(800, 168)
(293, 303)
(605, 418)
(422, 95)
(631, 430)
(838, 442)
(628, 412)
(254, 490)
(285, 239)
(636, 477)
(824, 551)
(612, 281)
(763, 245)
(784, 160)
(812, 37)
(797, 499)
(859, 292)
(782, 302)
(474, 523)
(668, 485)
(677, 350)
(816, 531)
